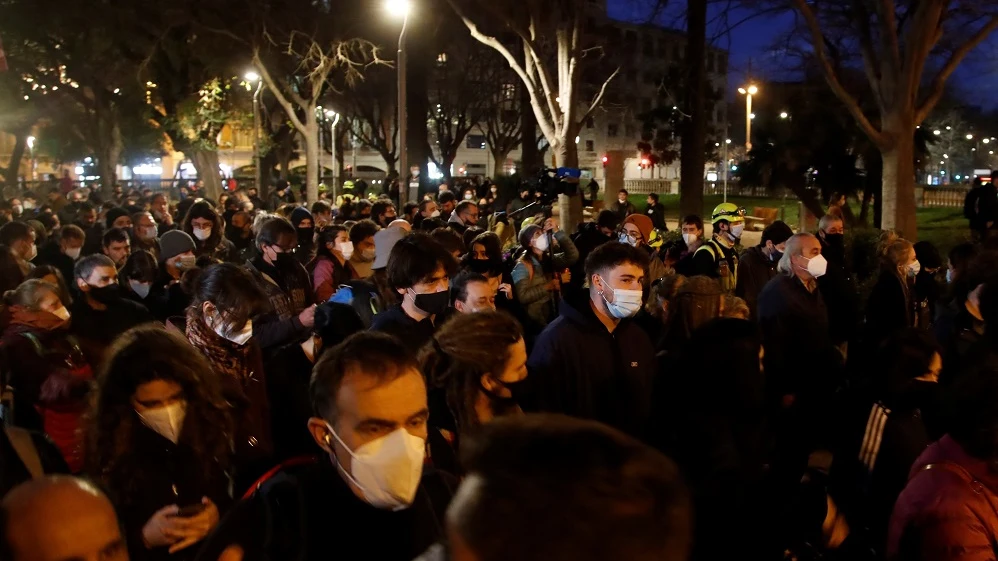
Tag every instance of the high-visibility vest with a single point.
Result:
(728, 278)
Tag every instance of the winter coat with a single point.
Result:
(840, 293)
(413, 334)
(715, 260)
(289, 289)
(948, 510)
(223, 250)
(51, 254)
(579, 368)
(530, 280)
(327, 276)
(755, 269)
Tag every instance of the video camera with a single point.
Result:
(551, 182)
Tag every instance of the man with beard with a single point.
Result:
(837, 286)
(100, 312)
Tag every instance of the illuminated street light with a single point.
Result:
(970, 137)
(31, 142)
(985, 140)
(937, 132)
(784, 115)
(398, 8)
(727, 141)
(751, 116)
(946, 156)
(401, 8)
(251, 76)
(748, 92)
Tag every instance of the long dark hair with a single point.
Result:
(143, 355)
(203, 209)
(465, 348)
(233, 292)
(327, 235)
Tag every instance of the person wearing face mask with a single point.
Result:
(540, 272)
(331, 266)
(383, 212)
(928, 282)
(427, 209)
(168, 299)
(364, 250)
(291, 312)
(838, 286)
(20, 238)
(476, 366)
(62, 249)
(220, 325)
(301, 219)
(100, 313)
(159, 443)
(145, 234)
(594, 361)
(717, 257)
(240, 233)
(371, 495)
(757, 265)
(692, 232)
(45, 366)
(801, 361)
(893, 304)
(622, 207)
(137, 277)
(419, 269)
(204, 225)
(465, 215)
(635, 231)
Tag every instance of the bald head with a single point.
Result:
(59, 519)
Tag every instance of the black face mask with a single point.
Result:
(305, 236)
(776, 256)
(835, 240)
(433, 303)
(480, 266)
(105, 294)
(502, 405)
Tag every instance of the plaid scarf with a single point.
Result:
(226, 357)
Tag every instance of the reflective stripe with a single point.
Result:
(874, 435)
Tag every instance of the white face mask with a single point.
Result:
(240, 337)
(817, 266)
(73, 253)
(625, 303)
(690, 239)
(168, 421)
(141, 289)
(202, 233)
(149, 233)
(61, 313)
(345, 249)
(541, 243)
(33, 253)
(949, 276)
(435, 214)
(736, 231)
(914, 268)
(387, 470)
(186, 262)
(624, 237)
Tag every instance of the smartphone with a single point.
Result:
(190, 510)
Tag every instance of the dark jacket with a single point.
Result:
(289, 289)
(622, 210)
(97, 329)
(891, 306)
(579, 368)
(161, 473)
(755, 269)
(288, 373)
(657, 214)
(412, 333)
(586, 240)
(841, 295)
(15, 471)
(167, 298)
(717, 261)
(309, 513)
(794, 325)
(51, 254)
(223, 250)
(958, 332)
(946, 511)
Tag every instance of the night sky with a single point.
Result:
(976, 81)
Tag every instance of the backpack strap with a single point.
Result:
(25, 448)
(34, 342)
(708, 247)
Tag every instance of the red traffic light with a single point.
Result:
(645, 162)
(605, 159)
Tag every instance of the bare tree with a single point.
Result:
(502, 125)
(299, 90)
(898, 40)
(370, 115)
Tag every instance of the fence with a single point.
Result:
(169, 186)
(671, 187)
(946, 196)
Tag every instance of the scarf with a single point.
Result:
(45, 321)
(226, 357)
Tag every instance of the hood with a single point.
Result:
(948, 450)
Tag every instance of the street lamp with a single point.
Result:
(784, 115)
(253, 77)
(937, 132)
(31, 146)
(400, 8)
(727, 141)
(748, 92)
(330, 114)
(970, 137)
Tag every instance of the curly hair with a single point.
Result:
(464, 349)
(204, 210)
(139, 356)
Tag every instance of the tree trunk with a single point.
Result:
(206, 164)
(499, 162)
(311, 155)
(530, 157)
(20, 144)
(570, 215)
(695, 133)
(898, 193)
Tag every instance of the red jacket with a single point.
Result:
(948, 510)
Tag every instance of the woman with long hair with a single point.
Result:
(893, 304)
(203, 223)
(331, 266)
(475, 361)
(220, 326)
(158, 440)
(46, 368)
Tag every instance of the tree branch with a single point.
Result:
(278, 94)
(939, 82)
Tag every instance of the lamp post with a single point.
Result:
(257, 172)
(727, 141)
(332, 135)
(401, 8)
(748, 92)
(30, 141)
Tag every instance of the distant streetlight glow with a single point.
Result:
(751, 115)
(937, 132)
(251, 76)
(970, 137)
(31, 142)
(784, 115)
(748, 91)
(985, 140)
(753, 90)
(399, 8)
(727, 141)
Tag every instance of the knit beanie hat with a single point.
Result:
(114, 214)
(642, 222)
(173, 243)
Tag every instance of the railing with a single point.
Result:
(169, 186)
(671, 187)
(946, 196)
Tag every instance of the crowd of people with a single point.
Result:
(466, 380)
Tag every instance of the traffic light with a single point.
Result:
(645, 163)
(605, 160)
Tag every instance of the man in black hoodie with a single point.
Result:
(593, 361)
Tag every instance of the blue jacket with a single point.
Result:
(579, 368)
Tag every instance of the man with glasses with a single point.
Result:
(635, 232)
(286, 284)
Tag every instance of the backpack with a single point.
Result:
(362, 296)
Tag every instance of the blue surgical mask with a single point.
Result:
(949, 276)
